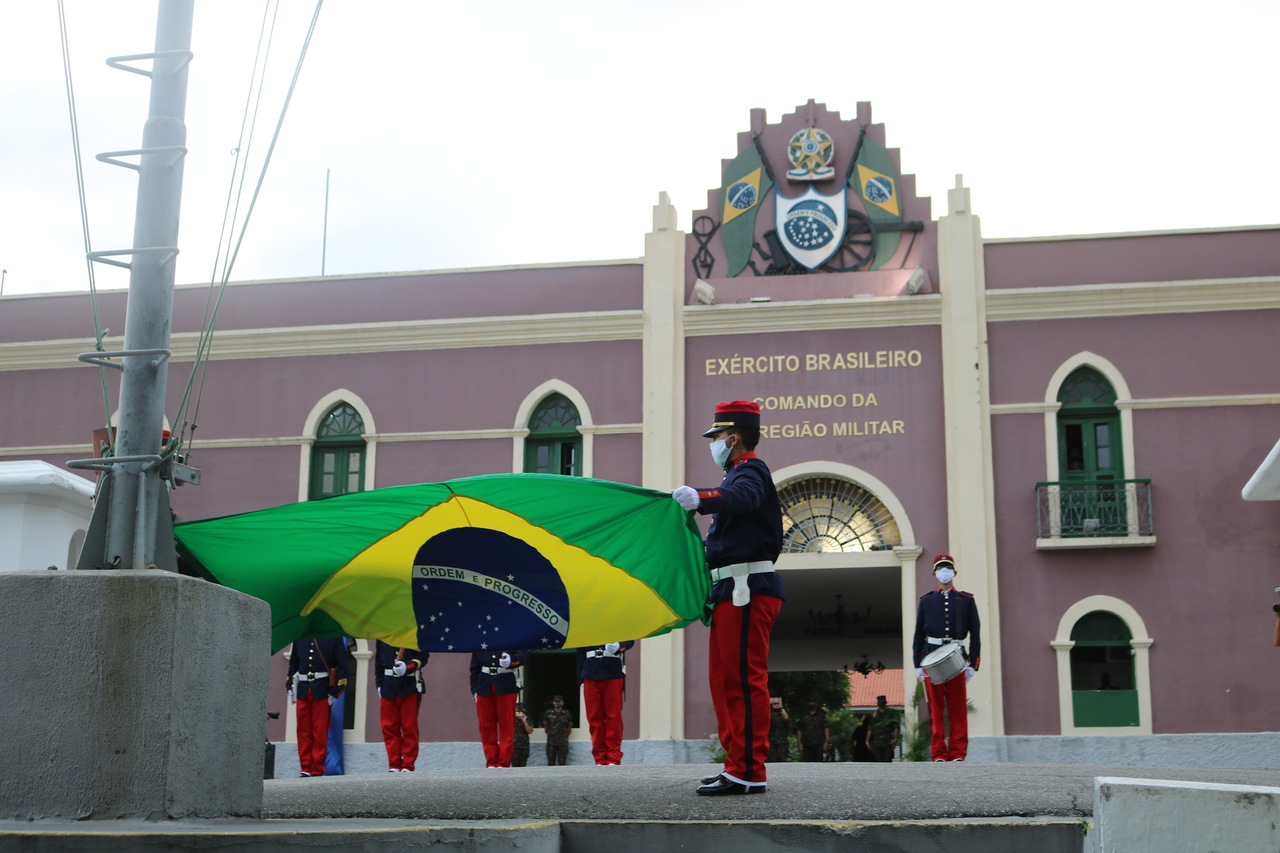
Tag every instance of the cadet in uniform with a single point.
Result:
(398, 675)
(742, 545)
(493, 683)
(944, 615)
(602, 672)
(557, 722)
(317, 677)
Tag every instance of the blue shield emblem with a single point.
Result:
(811, 226)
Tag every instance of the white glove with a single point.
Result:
(611, 648)
(399, 668)
(968, 673)
(504, 661)
(686, 497)
(379, 692)
(332, 699)
(919, 674)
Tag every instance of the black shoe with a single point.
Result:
(707, 780)
(723, 786)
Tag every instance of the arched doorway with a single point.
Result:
(842, 563)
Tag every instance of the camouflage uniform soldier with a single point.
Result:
(558, 722)
(812, 733)
(520, 741)
(779, 731)
(884, 731)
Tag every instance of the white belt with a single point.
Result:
(938, 641)
(739, 572)
(312, 676)
(491, 670)
(601, 653)
(389, 672)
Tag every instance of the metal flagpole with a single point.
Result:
(131, 526)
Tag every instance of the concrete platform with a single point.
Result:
(956, 807)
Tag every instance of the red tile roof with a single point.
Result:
(864, 690)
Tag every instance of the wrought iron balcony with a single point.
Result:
(1094, 509)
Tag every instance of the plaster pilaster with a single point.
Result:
(967, 420)
(662, 391)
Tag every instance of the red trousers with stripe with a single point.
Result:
(604, 716)
(738, 667)
(950, 700)
(313, 735)
(400, 729)
(497, 716)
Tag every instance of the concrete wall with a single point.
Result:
(1244, 750)
(1183, 817)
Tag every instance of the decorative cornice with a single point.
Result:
(399, 336)
(1200, 402)
(1113, 300)
(306, 440)
(1041, 408)
(858, 312)
(1033, 303)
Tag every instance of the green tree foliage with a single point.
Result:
(829, 689)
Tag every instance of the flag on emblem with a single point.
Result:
(516, 561)
(875, 180)
(746, 182)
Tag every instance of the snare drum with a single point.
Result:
(945, 662)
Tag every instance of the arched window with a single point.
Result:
(554, 445)
(834, 515)
(1090, 461)
(1103, 682)
(1089, 428)
(338, 455)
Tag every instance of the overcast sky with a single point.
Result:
(481, 134)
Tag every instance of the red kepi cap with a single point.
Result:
(736, 413)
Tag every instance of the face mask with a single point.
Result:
(945, 575)
(720, 452)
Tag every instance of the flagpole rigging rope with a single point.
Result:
(98, 332)
(200, 364)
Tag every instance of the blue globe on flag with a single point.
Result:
(879, 190)
(742, 195)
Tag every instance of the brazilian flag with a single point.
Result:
(876, 181)
(512, 561)
(746, 182)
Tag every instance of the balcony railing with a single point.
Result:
(1094, 509)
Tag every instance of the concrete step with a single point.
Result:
(1001, 835)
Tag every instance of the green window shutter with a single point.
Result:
(1089, 454)
(338, 455)
(1103, 684)
(554, 445)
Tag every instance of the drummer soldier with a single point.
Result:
(947, 615)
